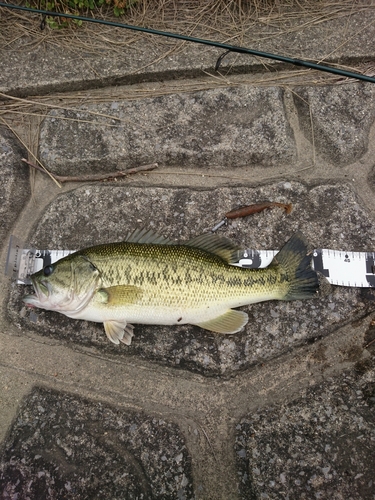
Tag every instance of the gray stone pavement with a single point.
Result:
(285, 409)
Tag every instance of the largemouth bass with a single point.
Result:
(151, 280)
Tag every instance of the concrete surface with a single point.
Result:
(100, 57)
(284, 409)
(226, 127)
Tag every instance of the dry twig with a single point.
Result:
(40, 166)
(95, 177)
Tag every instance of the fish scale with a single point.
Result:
(151, 280)
(178, 269)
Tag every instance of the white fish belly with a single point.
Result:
(165, 315)
(154, 315)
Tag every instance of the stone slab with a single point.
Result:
(326, 432)
(65, 447)
(329, 215)
(14, 185)
(228, 128)
(37, 63)
(337, 119)
(321, 445)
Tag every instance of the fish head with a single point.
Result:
(65, 286)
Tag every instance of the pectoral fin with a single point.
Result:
(230, 322)
(119, 295)
(119, 331)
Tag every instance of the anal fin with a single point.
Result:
(119, 331)
(230, 322)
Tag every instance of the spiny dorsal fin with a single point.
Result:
(148, 236)
(218, 245)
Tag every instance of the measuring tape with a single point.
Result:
(22, 262)
(353, 269)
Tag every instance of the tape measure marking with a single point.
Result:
(350, 269)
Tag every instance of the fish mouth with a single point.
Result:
(40, 295)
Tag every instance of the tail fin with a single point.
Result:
(295, 261)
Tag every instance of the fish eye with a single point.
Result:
(48, 270)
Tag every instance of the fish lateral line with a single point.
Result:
(189, 283)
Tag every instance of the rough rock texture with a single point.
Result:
(43, 66)
(274, 327)
(65, 447)
(320, 445)
(225, 127)
(14, 185)
(285, 408)
(341, 118)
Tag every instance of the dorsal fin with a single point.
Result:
(148, 236)
(218, 245)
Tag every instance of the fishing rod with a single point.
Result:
(227, 47)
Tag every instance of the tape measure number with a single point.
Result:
(351, 269)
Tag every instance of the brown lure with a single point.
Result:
(257, 207)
